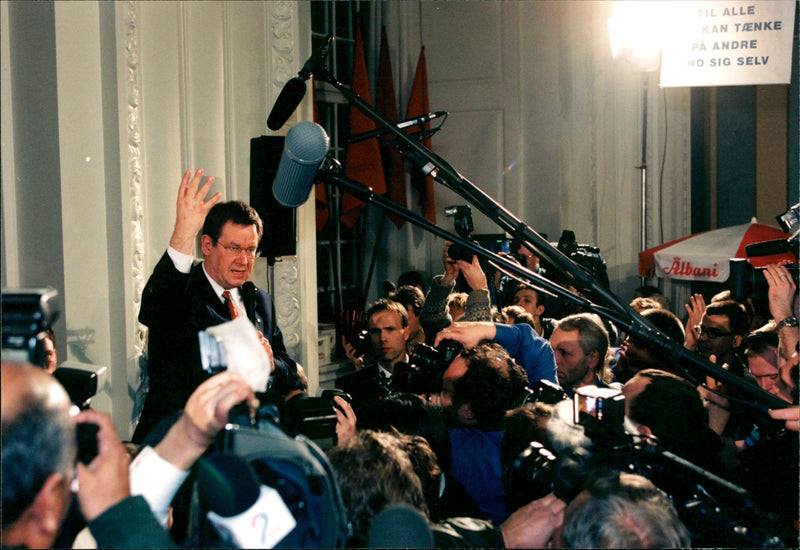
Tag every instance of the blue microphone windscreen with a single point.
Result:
(304, 149)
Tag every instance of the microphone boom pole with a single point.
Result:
(615, 310)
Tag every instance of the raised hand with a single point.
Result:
(781, 291)
(103, 482)
(473, 274)
(205, 414)
(345, 420)
(450, 265)
(533, 525)
(695, 308)
(192, 208)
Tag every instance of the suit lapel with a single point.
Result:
(206, 296)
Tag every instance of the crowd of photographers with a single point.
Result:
(538, 402)
(483, 414)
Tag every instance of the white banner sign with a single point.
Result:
(728, 43)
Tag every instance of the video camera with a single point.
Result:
(790, 223)
(745, 280)
(313, 417)
(263, 488)
(587, 436)
(586, 256)
(426, 365)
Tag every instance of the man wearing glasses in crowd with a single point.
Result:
(183, 297)
(720, 332)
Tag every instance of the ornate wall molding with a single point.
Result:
(287, 303)
(282, 45)
(133, 141)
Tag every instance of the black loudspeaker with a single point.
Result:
(279, 237)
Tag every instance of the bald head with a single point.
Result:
(38, 450)
(23, 383)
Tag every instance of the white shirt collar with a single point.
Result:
(219, 290)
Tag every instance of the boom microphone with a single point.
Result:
(288, 100)
(243, 512)
(303, 152)
(418, 121)
(295, 89)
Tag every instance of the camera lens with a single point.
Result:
(531, 477)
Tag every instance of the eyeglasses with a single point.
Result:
(710, 333)
(234, 250)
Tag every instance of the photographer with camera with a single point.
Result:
(40, 472)
(521, 342)
(435, 314)
(478, 387)
(387, 326)
(661, 404)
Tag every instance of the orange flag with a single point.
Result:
(363, 159)
(320, 199)
(418, 105)
(386, 104)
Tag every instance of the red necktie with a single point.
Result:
(229, 302)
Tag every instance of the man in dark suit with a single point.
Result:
(182, 297)
(387, 322)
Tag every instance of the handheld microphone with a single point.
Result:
(303, 152)
(243, 512)
(249, 294)
(295, 88)
(422, 119)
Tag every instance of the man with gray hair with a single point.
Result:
(622, 510)
(580, 345)
(39, 469)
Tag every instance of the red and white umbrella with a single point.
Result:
(705, 256)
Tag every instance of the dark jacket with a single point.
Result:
(175, 307)
(129, 524)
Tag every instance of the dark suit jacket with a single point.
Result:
(175, 307)
(129, 524)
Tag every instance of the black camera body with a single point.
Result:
(459, 252)
(27, 315)
(423, 372)
(745, 280)
(586, 256)
(462, 220)
(314, 417)
(86, 441)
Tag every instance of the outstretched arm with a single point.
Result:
(205, 414)
(469, 334)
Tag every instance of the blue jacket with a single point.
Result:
(476, 466)
(532, 352)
